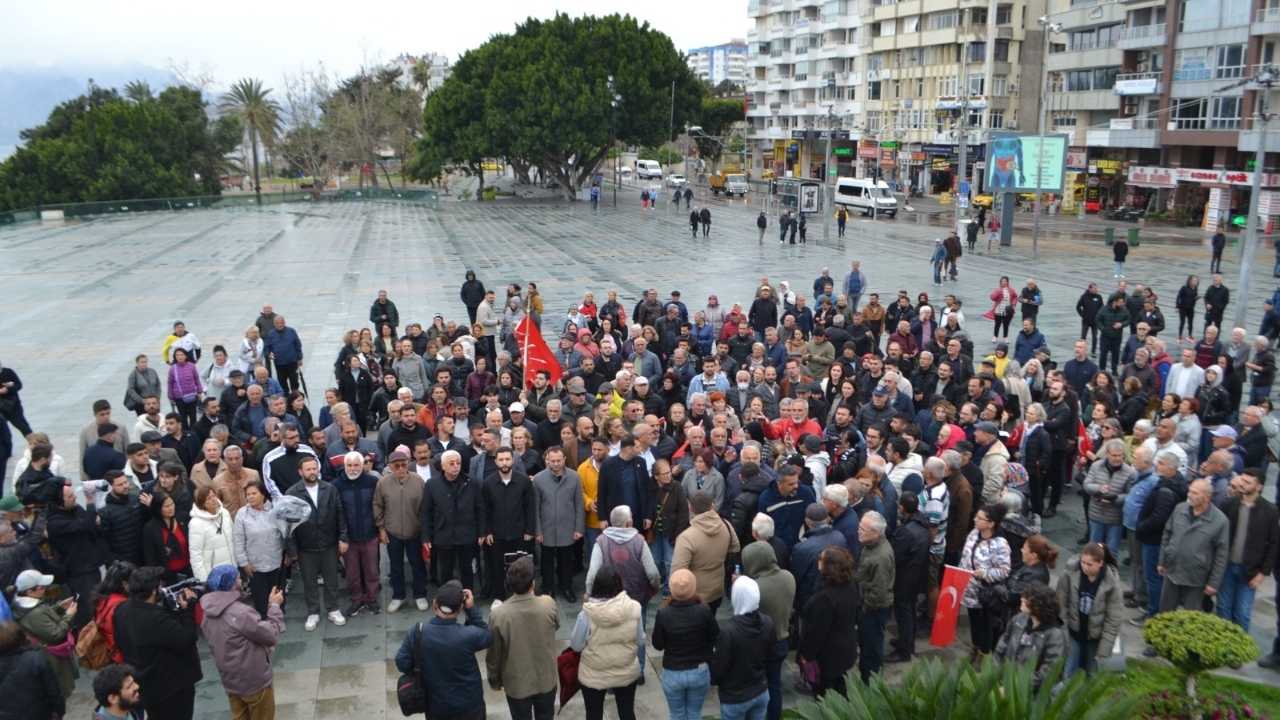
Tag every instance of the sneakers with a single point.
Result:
(335, 617)
(373, 608)
(394, 605)
(313, 621)
(423, 605)
(354, 609)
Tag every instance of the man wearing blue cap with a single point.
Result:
(241, 642)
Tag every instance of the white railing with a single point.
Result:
(1267, 14)
(1138, 32)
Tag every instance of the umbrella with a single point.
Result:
(567, 667)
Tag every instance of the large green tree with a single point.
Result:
(717, 116)
(541, 96)
(101, 146)
(259, 113)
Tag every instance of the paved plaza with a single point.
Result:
(81, 299)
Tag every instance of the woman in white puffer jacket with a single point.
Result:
(209, 534)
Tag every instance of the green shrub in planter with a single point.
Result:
(1197, 641)
(490, 193)
(956, 691)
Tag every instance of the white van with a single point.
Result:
(648, 170)
(866, 195)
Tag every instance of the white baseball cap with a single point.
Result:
(28, 579)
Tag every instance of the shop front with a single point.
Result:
(942, 165)
(1206, 197)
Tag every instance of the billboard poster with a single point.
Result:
(1025, 163)
(809, 198)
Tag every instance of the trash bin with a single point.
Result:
(1133, 237)
(1109, 236)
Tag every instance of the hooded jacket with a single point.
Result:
(240, 641)
(613, 636)
(210, 537)
(702, 549)
(1106, 611)
(777, 586)
(995, 468)
(120, 521)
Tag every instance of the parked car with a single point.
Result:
(676, 180)
(1126, 213)
(867, 195)
(648, 170)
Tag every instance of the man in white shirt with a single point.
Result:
(1186, 377)
(1163, 440)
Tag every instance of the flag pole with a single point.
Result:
(524, 355)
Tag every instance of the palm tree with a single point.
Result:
(259, 114)
(138, 91)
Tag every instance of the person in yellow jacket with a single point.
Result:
(589, 475)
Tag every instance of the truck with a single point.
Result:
(730, 182)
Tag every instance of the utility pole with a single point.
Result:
(827, 198)
(1049, 29)
(962, 176)
(613, 112)
(1265, 79)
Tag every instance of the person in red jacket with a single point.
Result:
(108, 596)
(794, 426)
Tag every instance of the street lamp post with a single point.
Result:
(963, 132)
(1267, 77)
(613, 111)
(1049, 29)
(827, 197)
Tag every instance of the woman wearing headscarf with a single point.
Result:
(685, 630)
(828, 622)
(742, 650)
(586, 345)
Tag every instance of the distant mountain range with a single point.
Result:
(27, 94)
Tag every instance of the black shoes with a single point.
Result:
(354, 609)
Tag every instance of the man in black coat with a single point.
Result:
(73, 535)
(1216, 298)
(102, 456)
(319, 541)
(160, 644)
(509, 518)
(120, 519)
(1087, 308)
(452, 519)
(27, 681)
(624, 480)
(911, 572)
(1061, 421)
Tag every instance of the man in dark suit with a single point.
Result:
(624, 480)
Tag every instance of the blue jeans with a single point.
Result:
(686, 690)
(773, 669)
(871, 641)
(937, 273)
(662, 549)
(1235, 597)
(1150, 561)
(1119, 267)
(1109, 535)
(1083, 655)
(397, 549)
(753, 709)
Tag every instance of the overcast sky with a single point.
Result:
(266, 38)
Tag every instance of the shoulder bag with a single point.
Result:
(411, 693)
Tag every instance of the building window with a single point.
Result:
(1057, 82)
(1002, 51)
(873, 90)
(978, 51)
(999, 85)
(1226, 114)
(919, 87)
(1230, 62)
(1191, 114)
(976, 85)
(1192, 64)
(996, 119)
(944, 20)
(1064, 120)
(947, 86)
(975, 118)
(1004, 14)
(873, 122)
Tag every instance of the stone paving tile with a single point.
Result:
(118, 284)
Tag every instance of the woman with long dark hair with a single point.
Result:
(258, 539)
(1035, 635)
(986, 555)
(1092, 601)
(164, 539)
(110, 593)
(829, 621)
(609, 633)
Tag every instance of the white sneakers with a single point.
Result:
(423, 605)
(335, 617)
(394, 605)
(313, 621)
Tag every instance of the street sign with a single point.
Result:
(962, 202)
(832, 172)
(964, 187)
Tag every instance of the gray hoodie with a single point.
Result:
(240, 641)
(777, 586)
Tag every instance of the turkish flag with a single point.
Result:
(954, 581)
(534, 353)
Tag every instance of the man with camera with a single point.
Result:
(159, 640)
(73, 535)
(241, 642)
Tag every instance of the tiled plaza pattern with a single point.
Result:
(82, 299)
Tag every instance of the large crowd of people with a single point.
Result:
(810, 460)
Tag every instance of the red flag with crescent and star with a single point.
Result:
(534, 354)
(954, 581)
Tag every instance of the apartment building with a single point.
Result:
(718, 63)
(890, 80)
(1156, 99)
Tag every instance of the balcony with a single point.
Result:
(1146, 83)
(1266, 22)
(1126, 133)
(1248, 140)
(1137, 37)
(1084, 58)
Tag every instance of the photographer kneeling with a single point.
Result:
(242, 642)
(160, 642)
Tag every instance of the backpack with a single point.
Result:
(92, 648)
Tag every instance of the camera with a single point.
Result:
(171, 595)
(97, 485)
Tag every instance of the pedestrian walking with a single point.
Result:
(784, 224)
(795, 227)
(938, 260)
(993, 231)
(762, 223)
(842, 219)
(693, 223)
(1119, 252)
(1218, 243)
(644, 199)
(595, 199)
(952, 245)
(704, 216)
(971, 231)
(688, 197)
(802, 226)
